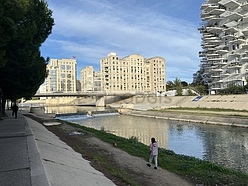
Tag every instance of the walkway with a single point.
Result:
(31, 155)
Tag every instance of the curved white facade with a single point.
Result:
(224, 55)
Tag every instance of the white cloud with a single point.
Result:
(92, 29)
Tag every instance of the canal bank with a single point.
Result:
(142, 163)
(237, 119)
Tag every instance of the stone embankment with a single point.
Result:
(194, 116)
(237, 104)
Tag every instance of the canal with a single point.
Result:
(224, 145)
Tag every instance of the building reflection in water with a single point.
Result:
(228, 146)
(70, 109)
(128, 127)
(224, 145)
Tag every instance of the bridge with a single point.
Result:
(83, 94)
(100, 96)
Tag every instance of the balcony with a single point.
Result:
(212, 55)
(211, 6)
(211, 18)
(222, 52)
(204, 6)
(207, 46)
(244, 6)
(215, 87)
(217, 11)
(215, 41)
(245, 32)
(202, 54)
(213, 1)
(245, 19)
(207, 35)
(234, 54)
(229, 3)
(231, 30)
(244, 59)
(245, 46)
(220, 47)
(201, 29)
(224, 74)
(210, 38)
(233, 16)
(217, 70)
(217, 59)
(238, 41)
(229, 37)
(221, 63)
(204, 15)
(234, 65)
(214, 30)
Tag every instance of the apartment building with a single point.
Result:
(61, 75)
(90, 79)
(132, 73)
(224, 55)
(97, 81)
(87, 79)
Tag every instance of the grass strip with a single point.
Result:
(194, 169)
(204, 109)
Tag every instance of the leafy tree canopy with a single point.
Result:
(24, 26)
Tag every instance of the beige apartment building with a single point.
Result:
(97, 81)
(90, 79)
(87, 79)
(61, 75)
(132, 73)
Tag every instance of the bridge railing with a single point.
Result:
(80, 94)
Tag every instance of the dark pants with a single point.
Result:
(14, 113)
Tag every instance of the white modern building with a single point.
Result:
(61, 75)
(224, 55)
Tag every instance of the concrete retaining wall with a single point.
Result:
(237, 102)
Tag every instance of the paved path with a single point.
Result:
(31, 155)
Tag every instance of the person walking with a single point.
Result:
(14, 109)
(153, 153)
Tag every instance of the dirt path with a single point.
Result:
(134, 167)
(145, 175)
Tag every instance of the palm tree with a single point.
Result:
(178, 86)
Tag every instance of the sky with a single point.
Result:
(91, 29)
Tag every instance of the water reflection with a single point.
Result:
(127, 127)
(224, 145)
(71, 109)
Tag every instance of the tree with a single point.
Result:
(246, 86)
(22, 68)
(184, 83)
(178, 86)
(201, 89)
(169, 85)
(232, 89)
